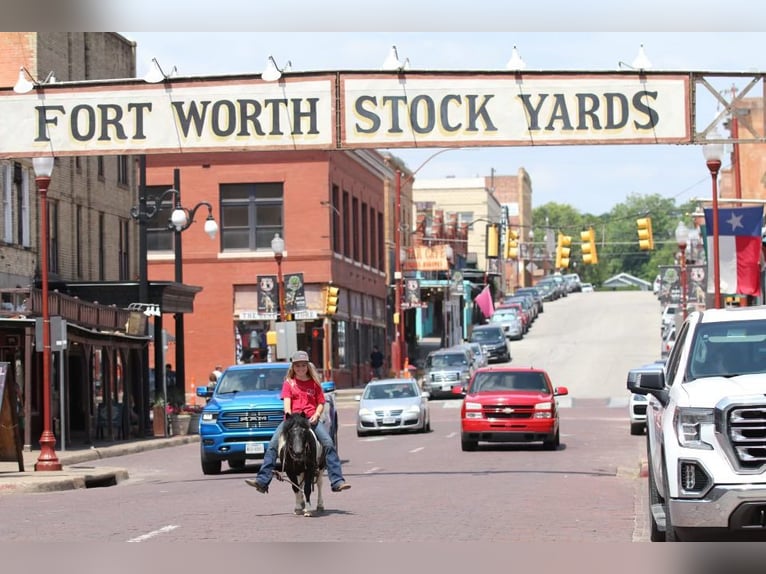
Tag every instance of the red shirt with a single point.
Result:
(304, 395)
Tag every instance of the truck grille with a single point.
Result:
(746, 431)
(505, 412)
(256, 419)
(445, 377)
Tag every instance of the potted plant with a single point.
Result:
(179, 419)
(159, 419)
(194, 411)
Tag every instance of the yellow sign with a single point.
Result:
(426, 258)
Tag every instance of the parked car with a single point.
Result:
(637, 404)
(493, 342)
(445, 369)
(392, 405)
(244, 410)
(510, 404)
(537, 296)
(510, 320)
(668, 317)
(586, 287)
(668, 340)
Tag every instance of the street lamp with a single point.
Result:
(682, 239)
(713, 153)
(47, 460)
(278, 247)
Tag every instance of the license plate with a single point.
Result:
(389, 420)
(254, 448)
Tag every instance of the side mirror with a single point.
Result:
(328, 386)
(425, 395)
(458, 390)
(204, 392)
(559, 391)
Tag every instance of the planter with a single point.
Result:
(194, 423)
(158, 421)
(179, 424)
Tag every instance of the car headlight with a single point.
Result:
(543, 410)
(209, 417)
(693, 426)
(365, 413)
(413, 409)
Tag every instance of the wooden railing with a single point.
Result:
(28, 302)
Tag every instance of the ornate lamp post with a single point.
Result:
(278, 247)
(682, 239)
(713, 152)
(47, 460)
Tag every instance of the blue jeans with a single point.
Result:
(334, 470)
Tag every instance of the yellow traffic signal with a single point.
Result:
(645, 237)
(589, 255)
(511, 244)
(331, 300)
(493, 241)
(562, 251)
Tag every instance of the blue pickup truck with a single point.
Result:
(242, 412)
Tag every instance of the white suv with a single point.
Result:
(706, 429)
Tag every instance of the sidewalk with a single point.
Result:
(74, 473)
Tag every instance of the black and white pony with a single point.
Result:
(303, 462)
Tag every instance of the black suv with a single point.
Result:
(493, 342)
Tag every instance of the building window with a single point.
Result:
(77, 164)
(124, 254)
(346, 225)
(122, 170)
(101, 247)
(373, 240)
(381, 243)
(100, 166)
(251, 213)
(336, 241)
(53, 236)
(78, 244)
(158, 235)
(355, 227)
(365, 236)
(7, 204)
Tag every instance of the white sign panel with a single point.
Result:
(412, 111)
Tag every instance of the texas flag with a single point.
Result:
(484, 301)
(739, 249)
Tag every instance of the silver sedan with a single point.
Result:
(392, 405)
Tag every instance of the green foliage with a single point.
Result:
(616, 235)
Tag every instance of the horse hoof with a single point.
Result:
(307, 513)
(320, 508)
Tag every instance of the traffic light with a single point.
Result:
(562, 251)
(645, 237)
(589, 255)
(331, 300)
(511, 244)
(317, 333)
(493, 241)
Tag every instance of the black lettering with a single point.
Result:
(139, 110)
(640, 106)
(533, 112)
(616, 102)
(43, 121)
(90, 119)
(114, 121)
(474, 112)
(185, 119)
(428, 111)
(223, 118)
(276, 125)
(249, 110)
(560, 113)
(587, 106)
(311, 114)
(372, 117)
(395, 101)
(444, 113)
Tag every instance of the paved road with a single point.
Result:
(418, 487)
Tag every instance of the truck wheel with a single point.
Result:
(211, 467)
(468, 445)
(636, 428)
(553, 443)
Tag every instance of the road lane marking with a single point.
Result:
(450, 435)
(154, 533)
(452, 404)
(416, 449)
(373, 469)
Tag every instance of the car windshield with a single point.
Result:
(505, 381)
(728, 349)
(500, 316)
(486, 335)
(447, 360)
(390, 391)
(261, 379)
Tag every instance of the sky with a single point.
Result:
(590, 178)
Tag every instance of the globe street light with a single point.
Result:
(713, 152)
(47, 460)
(278, 247)
(682, 239)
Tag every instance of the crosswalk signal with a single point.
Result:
(317, 333)
(589, 255)
(645, 236)
(511, 244)
(562, 251)
(331, 300)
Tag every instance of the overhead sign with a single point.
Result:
(454, 109)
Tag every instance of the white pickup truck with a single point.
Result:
(706, 429)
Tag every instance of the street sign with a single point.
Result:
(531, 267)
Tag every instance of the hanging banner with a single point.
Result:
(426, 258)
(411, 293)
(268, 297)
(295, 296)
